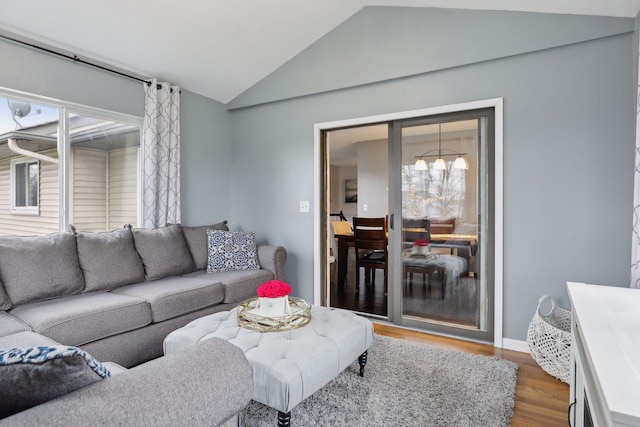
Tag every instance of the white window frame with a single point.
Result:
(23, 210)
(64, 151)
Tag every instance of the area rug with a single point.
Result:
(407, 384)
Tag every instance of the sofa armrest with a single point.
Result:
(207, 384)
(272, 258)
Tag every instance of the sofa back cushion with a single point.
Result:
(196, 238)
(35, 268)
(108, 260)
(163, 251)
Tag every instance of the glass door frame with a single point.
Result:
(485, 211)
(320, 264)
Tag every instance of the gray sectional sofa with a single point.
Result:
(117, 294)
(206, 385)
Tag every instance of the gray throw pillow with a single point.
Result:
(163, 251)
(108, 260)
(35, 268)
(34, 375)
(231, 250)
(196, 238)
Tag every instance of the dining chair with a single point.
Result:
(337, 216)
(370, 241)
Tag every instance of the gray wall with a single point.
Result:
(205, 126)
(205, 150)
(568, 90)
(384, 43)
(373, 177)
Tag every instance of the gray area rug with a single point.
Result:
(408, 384)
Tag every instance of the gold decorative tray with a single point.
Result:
(249, 316)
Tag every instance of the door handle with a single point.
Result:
(391, 221)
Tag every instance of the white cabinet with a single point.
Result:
(605, 381)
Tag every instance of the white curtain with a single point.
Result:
(635, 248)
(161, 155)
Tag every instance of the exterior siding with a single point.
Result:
(123, 189)
(89, 189)
(103, 189)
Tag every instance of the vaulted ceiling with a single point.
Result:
(220, 48)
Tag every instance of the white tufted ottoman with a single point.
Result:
(287, 366)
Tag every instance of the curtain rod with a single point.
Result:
(75, 58)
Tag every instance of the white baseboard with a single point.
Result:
(515, 345)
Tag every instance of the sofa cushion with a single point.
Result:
(196, 238)
(238, 285)
(231, 250)
(114, 368)
(163, 251)
(25, 339)
(174, 296)
(80, 319)
(11, 325)
(33, 375)
(35, 268)
(108, 260)
(5, 302)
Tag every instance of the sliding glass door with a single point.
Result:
(441, 179)
(432, 176)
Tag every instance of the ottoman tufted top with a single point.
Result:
(288, 366)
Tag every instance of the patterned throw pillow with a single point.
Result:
(231, 250)
(31, 376)
(43, 354)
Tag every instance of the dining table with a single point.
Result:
(345, 241)
(449, 241)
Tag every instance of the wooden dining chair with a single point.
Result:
(370, 240)
(337, 216)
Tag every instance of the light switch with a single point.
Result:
(365, 207)
(304, 206)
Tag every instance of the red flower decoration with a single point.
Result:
(421, 242)
(274, 289)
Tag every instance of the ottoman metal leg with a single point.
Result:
(362, 360)
(284, 420)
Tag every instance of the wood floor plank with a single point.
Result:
(541, 400)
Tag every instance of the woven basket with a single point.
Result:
(549, 339)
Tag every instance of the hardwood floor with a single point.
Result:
(541, 400)
(421, 298)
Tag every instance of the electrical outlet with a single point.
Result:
(365, 207)
(304, 206)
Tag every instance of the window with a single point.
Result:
(103, 183)
(433, 192)
(25, 177)
(86, 173)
